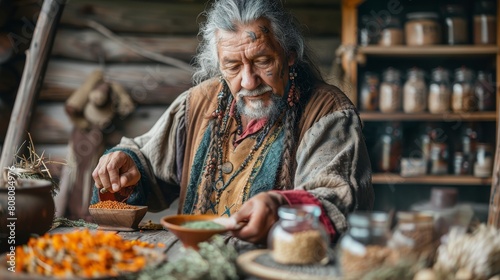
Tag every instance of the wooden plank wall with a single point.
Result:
(166, 27)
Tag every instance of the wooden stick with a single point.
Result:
(36, 63)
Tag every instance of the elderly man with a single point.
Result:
(259, 130)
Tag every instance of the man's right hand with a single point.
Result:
(115, 171)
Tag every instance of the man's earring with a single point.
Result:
(293, 95)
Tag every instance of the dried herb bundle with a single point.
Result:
(33, 166)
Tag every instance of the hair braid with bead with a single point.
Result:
(216, 136)
(285, 180)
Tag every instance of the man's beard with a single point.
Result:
(257, 109)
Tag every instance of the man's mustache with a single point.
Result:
(256, 92)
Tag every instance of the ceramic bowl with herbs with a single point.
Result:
(193, 229)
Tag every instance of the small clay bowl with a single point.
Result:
(188, 236)
(118, 219)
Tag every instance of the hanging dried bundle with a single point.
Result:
(33, 166)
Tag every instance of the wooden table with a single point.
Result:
(171, 249)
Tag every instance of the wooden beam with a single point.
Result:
(33, 74)
(179, 17)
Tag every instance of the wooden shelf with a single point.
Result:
(447, 117)
(408, 51)
(396, 179)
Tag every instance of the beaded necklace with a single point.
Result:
(226, 167)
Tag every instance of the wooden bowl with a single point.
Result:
(118, 219)
(188, 236)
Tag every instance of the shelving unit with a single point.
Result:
(396, 179)
(369, 54)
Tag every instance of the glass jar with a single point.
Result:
(484, 90)
(422, 28)
(456, 29)
(364, 246)
(413, 234)
(439, 158)
(392, 33)
(390, 91)
(389, 147)
(484, 160)
(369, 92)
(298, 237)
(463, 97)
(369, 31)
(461, 164)
(415, 92)
(439, 91)
(485, 23)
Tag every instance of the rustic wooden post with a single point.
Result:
(349, 41)
(494, 208)
(36, 63)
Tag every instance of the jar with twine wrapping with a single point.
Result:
(298, 237)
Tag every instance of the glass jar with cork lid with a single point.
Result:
(298, 238)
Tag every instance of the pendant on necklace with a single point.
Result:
(219, 184)
(227, 167)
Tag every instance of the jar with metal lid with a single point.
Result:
(364, 246)
(392, 33)
(484, 160)
(485, 23)
(369, 92)
(463, 98)
(413, 235)
(390, 91)
(484, 91)
(439, 158)
(422, 28)
(298, 237)
(439, 91)
(415, 92)
(456, 25)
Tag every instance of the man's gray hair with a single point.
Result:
(227, 14)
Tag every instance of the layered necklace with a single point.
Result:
(222, 134)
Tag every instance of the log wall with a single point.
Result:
(165, 27)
